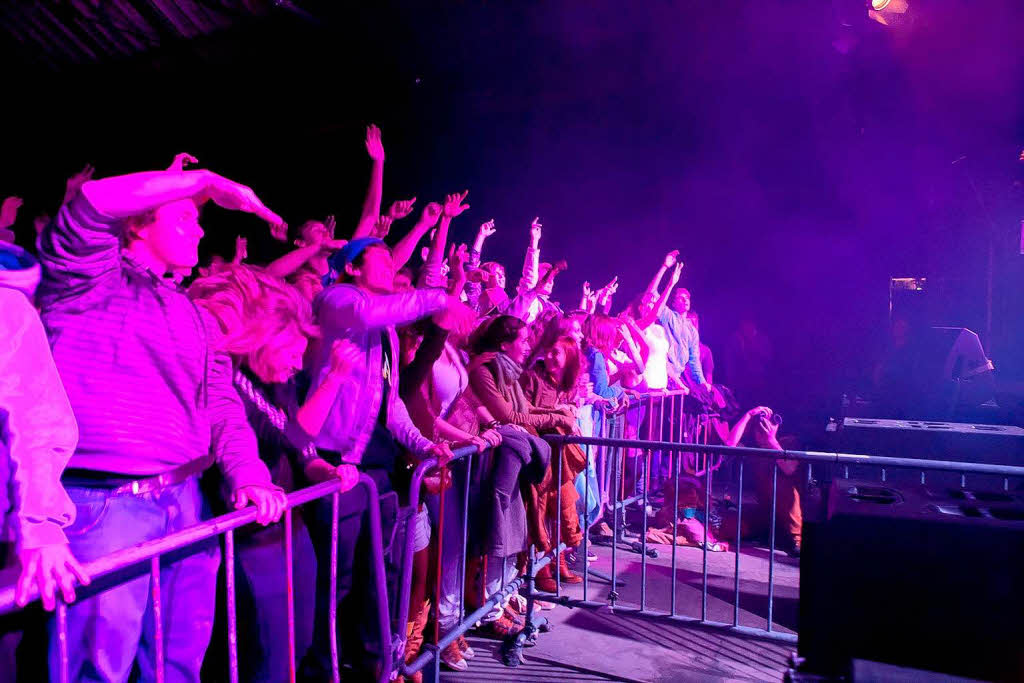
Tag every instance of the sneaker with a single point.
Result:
(501, 628)
(515, 617)
(452, 657)
(467, 651)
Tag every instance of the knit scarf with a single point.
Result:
(277, 417)
(507, 379)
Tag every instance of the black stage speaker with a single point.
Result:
(917, 577)
(926, 440)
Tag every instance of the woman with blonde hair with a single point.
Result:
(266, 325)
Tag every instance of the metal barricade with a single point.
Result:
(138, 556)
(834, 460)
(430, 654)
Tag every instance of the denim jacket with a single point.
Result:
(347, 312)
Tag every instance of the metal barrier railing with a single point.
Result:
(431, 653)
(619, 446)
(138, 556)
(612, 450)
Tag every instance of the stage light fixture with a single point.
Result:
(888, 12)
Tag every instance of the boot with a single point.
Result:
(545, 580)
(414, 640)
(565, 573)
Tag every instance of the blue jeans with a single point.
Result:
(110, 631)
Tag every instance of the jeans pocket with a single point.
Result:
(90, 508)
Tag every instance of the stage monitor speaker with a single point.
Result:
(932, 440)
(914, 577)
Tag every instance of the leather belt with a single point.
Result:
(144, 485)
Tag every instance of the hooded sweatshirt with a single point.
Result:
(37, 428)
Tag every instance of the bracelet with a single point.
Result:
(493, 424)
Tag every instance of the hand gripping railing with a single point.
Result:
(150, 552)
(810, 457)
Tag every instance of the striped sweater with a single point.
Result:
(137, 358)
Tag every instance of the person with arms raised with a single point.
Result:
(152, 392)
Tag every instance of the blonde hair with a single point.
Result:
(253, 310)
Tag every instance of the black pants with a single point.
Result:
(358, 639)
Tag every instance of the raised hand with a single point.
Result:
(676, 273)
(237, 197)
(487, 229)
(383, 227)
(401, 209)
(431, 214)
(536, 230)
(671, 258)
(181, 161)
(344, 356)
(9, 211)
(374, 146)
(588, 293)
(75, 182)
(329, 225)
(453, 205)
(458, 257)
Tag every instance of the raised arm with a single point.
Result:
(531, 266)
(659, 305)
(375, 192)
(82, 244)
(453, 206)
(670, 260)
(406, 246)
(474, 287)
(605, 295)
(313, 414)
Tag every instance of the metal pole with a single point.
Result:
(675, 525)
(643, 533)
(771, 549)
(332, 605)
(229, 571)
(289, 569)
(557, 453)
(739, 527)
(440, 552)
(62, 640)
(465, 538)
(586, 523)
(158, 616)
(707, 523)
(613, 595)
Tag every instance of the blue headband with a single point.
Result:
(337, 261)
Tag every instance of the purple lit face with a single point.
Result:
(574, 329)
(312, 232)
(281, 358)
(519, 348)
(680, 302)
(376, 273)
(172, 238)
(497, 273)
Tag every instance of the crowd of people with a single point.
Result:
(141, 394)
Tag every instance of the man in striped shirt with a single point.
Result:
(155, 406)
